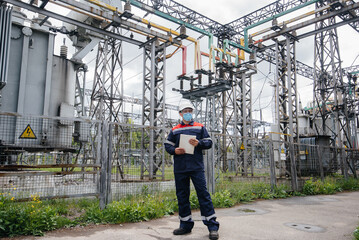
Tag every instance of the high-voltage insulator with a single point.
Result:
(127, 10)
(127, 6)
(275, 26)
(250, 42)
(63, 50)
(183, 34)
(252, 57)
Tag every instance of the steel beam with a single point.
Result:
(179, 14)
(116, 20)
(314, 20)
(71, 21)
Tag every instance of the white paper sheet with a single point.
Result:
(184, 143)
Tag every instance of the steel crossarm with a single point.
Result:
(179, 14)
(237, 26)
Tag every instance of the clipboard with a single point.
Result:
(184, 143)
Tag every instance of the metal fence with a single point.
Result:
(75, 157)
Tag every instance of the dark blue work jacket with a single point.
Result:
(188, 162)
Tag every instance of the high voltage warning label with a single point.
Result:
(28, 133)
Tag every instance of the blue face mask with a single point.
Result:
(187, 117)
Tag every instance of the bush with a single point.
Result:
(329, 186)
(193, 201)
(31, 218)
(223, 199)
(356, 233)
(130, 210)
(246, 192)
(351, 184)
(36, 217)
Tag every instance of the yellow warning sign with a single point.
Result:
(242, 147)
(28, 133)
(306, 152)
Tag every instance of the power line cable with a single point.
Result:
(260, 92)
(354, 60)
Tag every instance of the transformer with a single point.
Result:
(38, 88)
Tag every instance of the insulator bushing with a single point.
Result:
(183, 30)
(127, 7)
(63, 51)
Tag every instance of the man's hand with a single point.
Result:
(179, 151)
(193, 142)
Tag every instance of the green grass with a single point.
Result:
(36, 217)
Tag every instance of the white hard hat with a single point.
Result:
(185, 104)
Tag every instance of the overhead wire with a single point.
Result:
(260, 92)
(269, 103)
(354, 60)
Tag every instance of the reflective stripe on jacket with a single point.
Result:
(188, 162)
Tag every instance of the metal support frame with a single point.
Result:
(74, 22)
(328, 96)
(153, 110)
(107, 88)
(80, 99)
(243, 127)
(286, 102)
(180, 14)
(212, 123)
(106, 98)
(198, 109)
(225, 107)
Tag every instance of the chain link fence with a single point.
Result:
(76, 157)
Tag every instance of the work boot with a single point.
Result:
(213, 235)
(181, 231)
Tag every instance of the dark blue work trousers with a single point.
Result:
(204, 198)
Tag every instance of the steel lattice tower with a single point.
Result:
(242, 97)
(213, 126)
(154, 114)
(225, 108)
(328, 96)
(107, 94)
(106, 98)
(286, 104)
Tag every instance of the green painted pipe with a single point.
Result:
(246, 49)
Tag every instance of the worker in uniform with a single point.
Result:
(190, 166)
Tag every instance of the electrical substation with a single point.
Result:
(65, 125)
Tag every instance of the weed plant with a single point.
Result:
(330, 185)
(356, 234)
(36, 217)
(30, 218)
